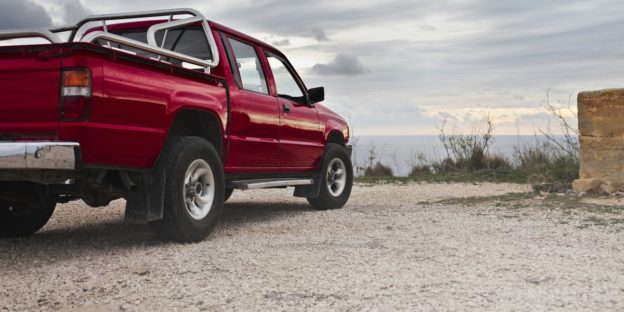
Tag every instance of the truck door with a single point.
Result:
(255, 114)
(300, 134)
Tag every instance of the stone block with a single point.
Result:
(602, 158)
(601, 113)
(587, 186)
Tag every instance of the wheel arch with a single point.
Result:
(197, 122)
(145, 204)
(336, 137)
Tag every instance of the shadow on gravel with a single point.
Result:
(249, 213)
(85, 240)
(110, 237)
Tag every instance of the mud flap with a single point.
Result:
(308, 191)
(312, 191)
(145, 203)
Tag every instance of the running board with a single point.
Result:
(261, 184)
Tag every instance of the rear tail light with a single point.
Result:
(76, 94)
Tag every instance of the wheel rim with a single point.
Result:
(336, 177)
(198, 189)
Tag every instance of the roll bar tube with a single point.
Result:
(149, 48)
(152, 46)
(30, 33)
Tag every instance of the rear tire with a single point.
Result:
(336, 179)
(24, 218)
(194, 190)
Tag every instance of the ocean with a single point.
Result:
(399, 152)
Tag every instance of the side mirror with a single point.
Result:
(316, 95)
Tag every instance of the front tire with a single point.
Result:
(24, 218)
(194, 190)
(228, 194)
(336, 179)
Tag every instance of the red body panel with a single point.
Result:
(134, 102)
(29, 95)
(254, 132)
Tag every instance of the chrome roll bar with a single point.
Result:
(30, 33)
(151, 34)
(148, 48)
(142, 14)
(80, 28)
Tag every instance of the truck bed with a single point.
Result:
(131, 107)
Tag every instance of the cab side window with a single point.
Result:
(285, 80)
(190, 41)
(251, 73)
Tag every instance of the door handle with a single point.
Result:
(286, 108)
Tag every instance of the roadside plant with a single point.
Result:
(378, 170)
(467, 152)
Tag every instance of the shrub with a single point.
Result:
(498, 161)
(467, 152)
(564, 169)
(534, 159)
(378, 170)
(420, 170)
(447, 165)
(549, 165)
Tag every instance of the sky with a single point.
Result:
(404, 67)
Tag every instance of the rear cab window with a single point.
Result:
(190, 41)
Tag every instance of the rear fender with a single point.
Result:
(145, 203)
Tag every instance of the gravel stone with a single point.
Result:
(391, 248)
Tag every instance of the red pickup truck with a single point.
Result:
(165, 109)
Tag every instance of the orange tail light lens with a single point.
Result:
(76, 99)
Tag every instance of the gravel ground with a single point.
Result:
(392, 248)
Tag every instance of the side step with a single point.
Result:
(269, 183)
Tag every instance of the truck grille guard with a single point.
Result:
(152, 47)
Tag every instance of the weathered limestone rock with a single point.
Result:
(601, 113)
(601, 128)
(591, 186)
(602, 158)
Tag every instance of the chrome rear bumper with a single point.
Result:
(38, 155)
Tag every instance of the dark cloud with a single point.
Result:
(319, 35)
(281, 43)
(73, 11)
(22, 14)
(342, 65)
(296, 17)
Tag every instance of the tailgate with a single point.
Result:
(29, 94)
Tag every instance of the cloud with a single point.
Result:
(65, 12)
(73, 11)
(449, 56)
(342, 65)
(427, 27)
(319, 35)
(281, 43)
(23, 14)
(298, 17)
